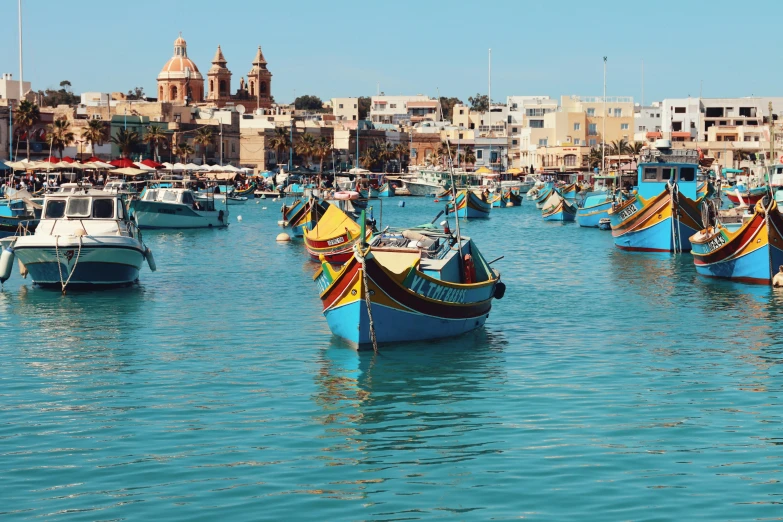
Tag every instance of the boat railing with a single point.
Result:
(23, 228)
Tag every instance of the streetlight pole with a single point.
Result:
(603, 132)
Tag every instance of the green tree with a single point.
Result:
(368, 158)
(137, 93)
(740, 156)
(96, 133)
(385, 154)
(154, 137)
(635, 150)
(26, 116)
(308, 103)
(127, 140)
(365, 103)
(479, 102)
(60, 135)
(306, 146)
(204, 137)
(280, 141)
(595, 158)
(401, 150)
(470, 156)
(323, 148)
(447, 106)
(619, 147)
(184, 151)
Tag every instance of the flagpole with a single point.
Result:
(603, 132)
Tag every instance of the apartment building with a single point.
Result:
(393, 109)
(345, 108)
(647, 123)
(689, 119)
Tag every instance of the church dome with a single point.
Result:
(180, 66)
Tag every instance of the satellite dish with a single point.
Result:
(241, 109)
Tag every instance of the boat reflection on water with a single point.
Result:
(415, 402)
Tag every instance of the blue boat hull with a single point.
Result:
(589, 217)
(759, 265)
(657, 238)
(393, 325)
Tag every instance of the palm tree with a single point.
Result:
(59, 135)
(368, 158)
(635, 150)
(204, 137)
(469, 156)
(127, 140)
(619, 147)
(96, 133)
(155, 135)
(184, 150)
(280, 141)
(306, 146)
(323, 148)
(26, 116)
(385, 153)
(401, 149)
(594, 158)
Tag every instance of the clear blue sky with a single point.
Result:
(346, 48)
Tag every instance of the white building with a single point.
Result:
(345, 108)
(9, 88)
(691, 118)
(647, 122)
(393, 109)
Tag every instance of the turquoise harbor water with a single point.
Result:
(605, 386)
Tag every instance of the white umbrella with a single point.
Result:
(99, 165)
(168, 166)
(178, 166)
(192, 167)
(230, 168)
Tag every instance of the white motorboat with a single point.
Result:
(178, 208)
(221, 198)
(84, 239)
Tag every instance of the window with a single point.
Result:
(536, 124)
(341, 106)
(592, 129)
(514, 142)
(577, 126)
(687, 174)
(355, 106)
(479, 154)
(650, 174)
(679, 110)
(103, 208)
(542, 142)
(591, 112)
(623, 126)
(187, 198)
(392, 105)
(667, 173)
(262, 87)
(569, 160)
(460, 136)
(462, 111)
(618, 113)
(576, 141)
(78, 207)
(593, 143)
(55, 208)
(354, 117)
(642, 128)
(413, 153)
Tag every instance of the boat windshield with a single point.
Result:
(169, 196)
(55, 209)
(103, 208)
(78, 207)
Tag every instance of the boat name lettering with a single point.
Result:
(438, 292)
(716, 242)
(628, 211)
(335, 241)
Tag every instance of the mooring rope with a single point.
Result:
(64, 284)
(368, 301)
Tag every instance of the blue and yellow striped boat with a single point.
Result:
(594, 208)
(470, 206)
(558, 208)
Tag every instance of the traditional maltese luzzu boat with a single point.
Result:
(409, 285)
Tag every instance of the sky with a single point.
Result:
(351, 48)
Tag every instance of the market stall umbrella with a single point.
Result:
(99, 165)
(167, 166)
(192, 167)
(143, 166)
(68, 159)
(229, 168)
(122, 163)
(178, 166)
(51, 159)
(130, 171)
(150, 163)
(91, 159)
(483, 170)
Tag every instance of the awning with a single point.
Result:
(122, 163)
(129, 171)
(654, 135)
(681, 134)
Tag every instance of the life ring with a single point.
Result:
(780, 159)
(346, 195)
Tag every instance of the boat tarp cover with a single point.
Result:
(333, 224)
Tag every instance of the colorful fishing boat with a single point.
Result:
(569, 191)
(421, 284)
(370, 193)
(249, 192)
(332, 237)
(665, 211)
(470, 206)
(445, 195)
(544, 194)
(751, 254)
(513, 199)
(292, 212)
(558, 208)
(386, 190)
(498, 200)
(593, 209)
(307, 216)
(740, 195)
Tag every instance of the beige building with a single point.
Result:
(4, 123)
(345, 108)
(617, 121)
(9, 87)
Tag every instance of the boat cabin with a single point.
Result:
(94, 204)
(662, 165)
(178, 196)
(73, 188)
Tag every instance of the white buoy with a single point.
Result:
(263, 208)
(6, 264)
(239, 218)
(150, 259)
(282, 237)
(258, 202)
